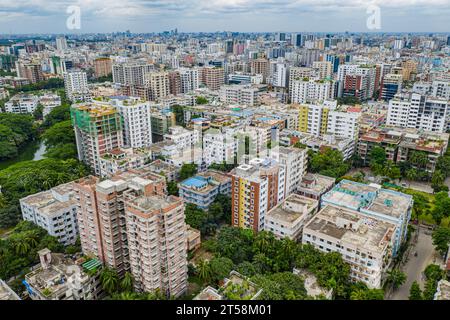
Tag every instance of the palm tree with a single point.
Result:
(127, 282)
(263, 241)
(411, 174)
(396, 278)
(204, 270)
(21, 245)
(109, 280)
(358, 294)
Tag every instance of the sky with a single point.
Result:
(50, 16)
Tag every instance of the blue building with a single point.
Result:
(203, 188)
(373, 201)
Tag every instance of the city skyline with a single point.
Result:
(232, 15)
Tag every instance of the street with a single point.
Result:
(416, 265)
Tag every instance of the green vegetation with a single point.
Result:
(187, 170)
(52, 83)
(415, 293)
(380, 166)
(433, 274)
(60, 142)
(328, 162)
(30, 177)
(269, 263)
(207, 221)
(396, 278)
(18, 252)
(179, 115)
(15, 131)
(441, 239)
(172, 188)
(224, 167)
(201, 100)
(350, 101)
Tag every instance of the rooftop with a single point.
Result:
(293, 208)
(316, 182)
(443, 290)
(6, 293)
(352, 227)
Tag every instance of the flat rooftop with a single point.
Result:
(369, 197)
(293, 208)
(6, 293)
(352, 227)
(443, 290)
(151, 203)
(316, 182)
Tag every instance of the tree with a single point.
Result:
(172, 188)
(437, 181)
(60, 133)
(109, 280)
(201, 100)
(415, 293)
(378, 161)
(441, 206)
(329, 162)
(195, 217)
(187, 170)
(281, 286)
(412, 174)
(220, 268)
(215, 211)
(396, 278)
(441, 239)
(418, 159)
(179, 115)
(204, 271)
(126, 284)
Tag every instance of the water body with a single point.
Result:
(34, 150)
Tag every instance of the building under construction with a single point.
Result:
(98, 128)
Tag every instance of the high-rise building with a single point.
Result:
(98, 128)
(239, 94)
(76, 86)
(29, 70)
(61, 43)
(309, 90)
(130, 73)
(260, 66)
(391, 84)
(137, 127)
(256, 188)
(158, 84)
(212, 77)
(102, 67)
(189, 79)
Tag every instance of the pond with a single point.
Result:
(34, 150)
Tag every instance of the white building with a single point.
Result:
(287, 219)
(61, 43)
(219, 146)
(238, 94)
(412, 110)
(49, 101)
(189, 79)
(76, 85)
(22, 103)
(130, 73)
(364, 242)
(309, 90)
(137, 127)
(53, 210)
(343, 123)
(182, 138)
(295, 162)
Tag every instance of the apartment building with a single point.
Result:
(102, 67)
(412, 110)
(288, 218)
(313, 118)
(30, 71)
(76, 86)
(53, 210)
(182, 138)
(137, 124)
(436, 88)
(260, 66)
(373, 201)
(239, 94)
(391, 84)
(309, 90)
(365, 243)
(98, 129)
(158, 84)
(399, 144)
(256, 188)
(219, 145)
(22, 103)
(130, 73)
(314, 185)
(189, 79)
(344, 122)
(323, 69)
(170, 172)
(101, 214)
(295, 162)
(49, 101)
(122, 159)
(157, 242)
(203, 188)
(58, 277)
(212, 77)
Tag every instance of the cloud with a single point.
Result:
(215, 10)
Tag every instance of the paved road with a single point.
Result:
(415, 265)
